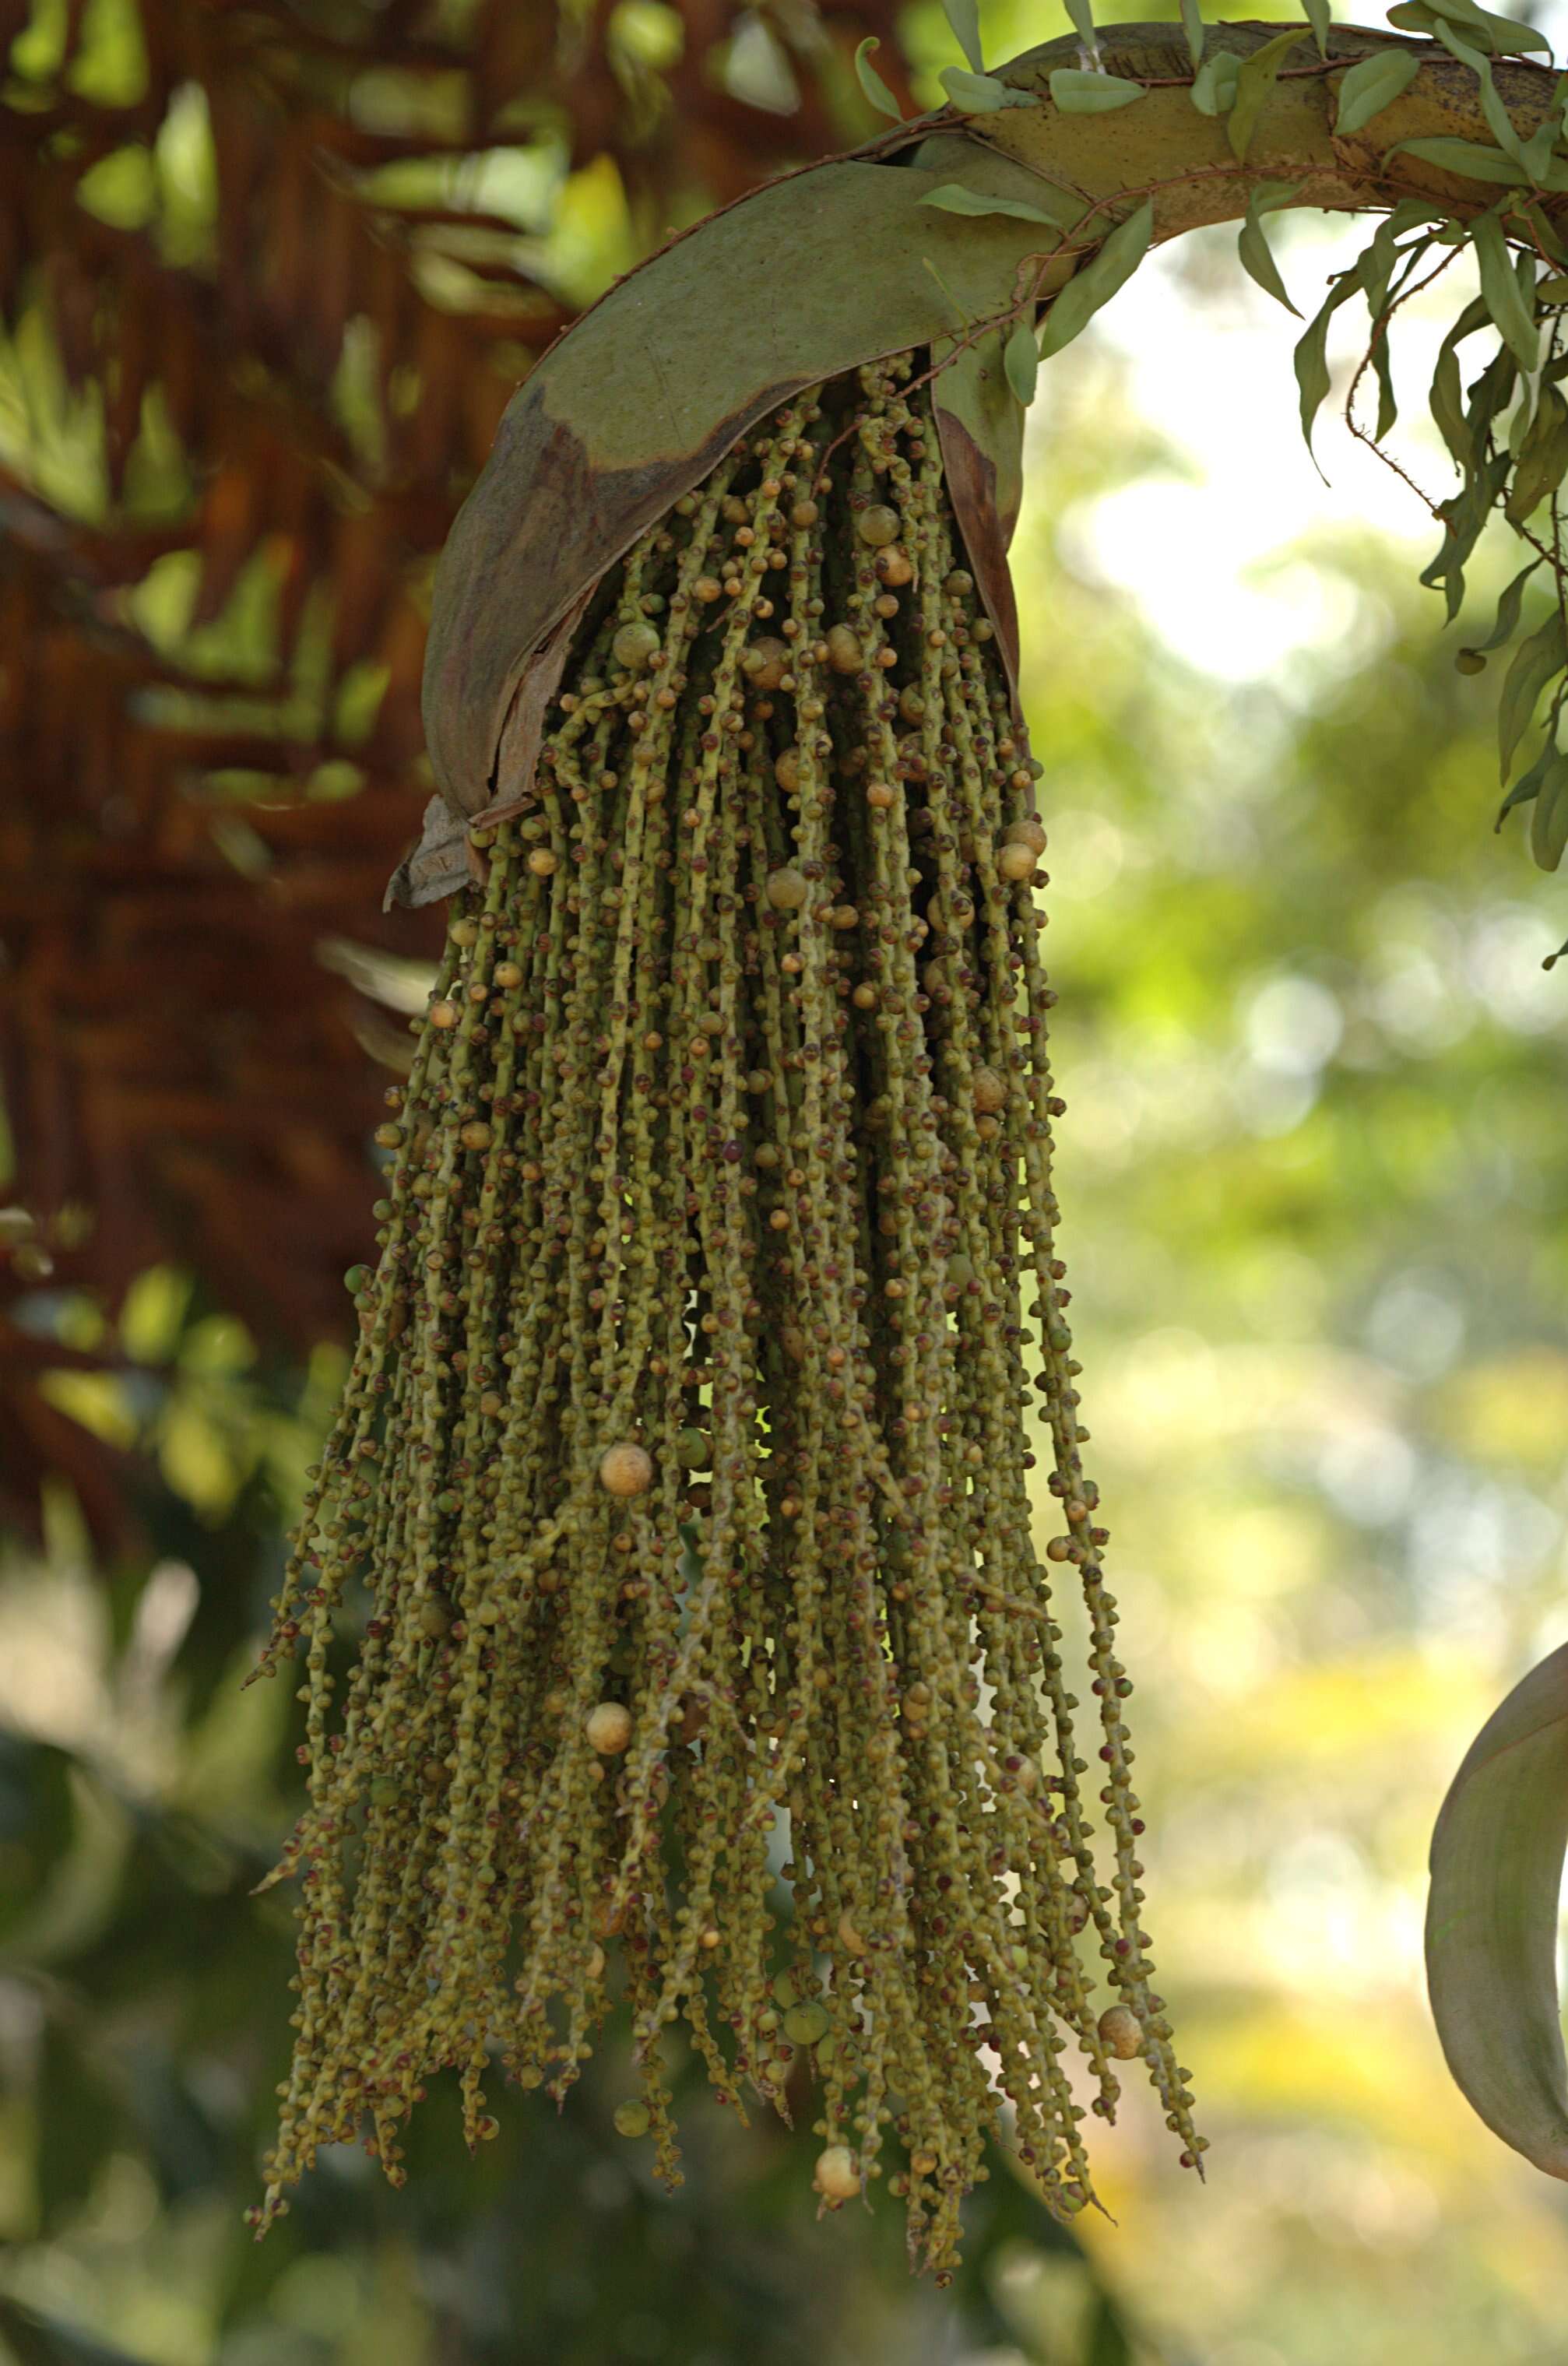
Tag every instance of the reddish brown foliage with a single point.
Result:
(178, 1062)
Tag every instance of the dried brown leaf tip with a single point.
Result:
(672, 1631)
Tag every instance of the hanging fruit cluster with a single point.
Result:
(672, 1624)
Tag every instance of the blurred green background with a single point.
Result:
(1314, 1172)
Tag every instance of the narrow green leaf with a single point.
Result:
(1506, 622)
(1370, 85)
(1081, 13)
(964, 16)
(1193, 27)
(870, 82)
(1543, 460)
(1469, 158)
(1215, 84)
(1491, 1918)
(1255, 87)
(1382, 369)
(952, 198)
(1501, 292)
(1091, 93)
(1535, 662)
(1095, 282)
(1463, 518)
(1253, 248)
(1549, 823)
(1318, 17)
(1528, 783)
(1447, 400)
(1499, 122)
(1020, 359)
(1312, 353)
(1505, 36)
(980, 94)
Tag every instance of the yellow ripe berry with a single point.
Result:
(895, 567)
(1026, 833)
(924, 2163)
(804, 513)
(626, 1471)
(877, 525)
(632, 2119)
(786, 769)
(475, 1135)
(844, 652)
(444, 1014)
(507, 975)
(609, 1728)
(1015, 863)
(389, 1136)
(766, 662)
(542, 863)
(837, 2174)
(636, 646)
(1120, 2034)
(864, 997)
(787, 889)
(990, 1091)
(880, 796)
(708, 589)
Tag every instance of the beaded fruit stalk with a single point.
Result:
(674, 1594)
(684, 1471)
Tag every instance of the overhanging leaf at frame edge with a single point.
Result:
(1497, 1866)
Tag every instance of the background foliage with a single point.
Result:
(270, 276)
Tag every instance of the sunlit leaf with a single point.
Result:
(870, 82)
(980, 94)
(1491, 1918)
(1091, 93)
(1504, 35)
(1081, 15)
(1370, 85)
(1215, 84)
(1254, 88)
(964, 16)
(1319, 17)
